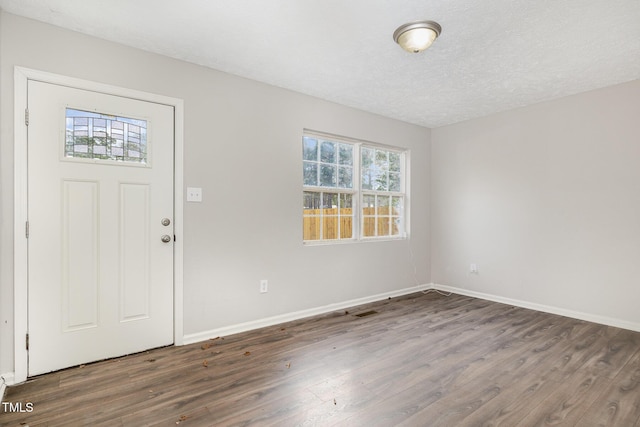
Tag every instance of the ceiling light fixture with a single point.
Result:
(417, 36)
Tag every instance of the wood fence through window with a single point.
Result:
(334, 223)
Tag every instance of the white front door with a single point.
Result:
(100, 211)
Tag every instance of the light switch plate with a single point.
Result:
(194, 194)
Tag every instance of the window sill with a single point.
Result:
(350, 241)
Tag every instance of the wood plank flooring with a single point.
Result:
(420, 360)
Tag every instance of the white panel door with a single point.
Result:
(100, 184)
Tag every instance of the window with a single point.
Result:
(91, 135)
(328, 174)
(352, 190)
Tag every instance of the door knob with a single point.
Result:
(165, 221)
(166, 238)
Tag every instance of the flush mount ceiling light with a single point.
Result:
(417, 36)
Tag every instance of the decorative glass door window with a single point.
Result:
(91, 135)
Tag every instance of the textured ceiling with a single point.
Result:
(492, 55)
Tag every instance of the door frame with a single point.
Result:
(20, 264)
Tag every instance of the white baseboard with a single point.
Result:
(5, 380)
(275, 320)
(603, 320)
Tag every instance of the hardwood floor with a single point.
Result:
(420, 360)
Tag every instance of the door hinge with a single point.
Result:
(26, 116)
(27, 341)
(26, 229)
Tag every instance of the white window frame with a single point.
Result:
(358, 193)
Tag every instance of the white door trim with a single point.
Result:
(21, 76)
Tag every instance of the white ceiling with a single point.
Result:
(492, 55)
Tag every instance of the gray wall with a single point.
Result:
(243, 147)
(546, 200)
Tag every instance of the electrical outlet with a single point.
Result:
(473, 268)
(264, 285)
